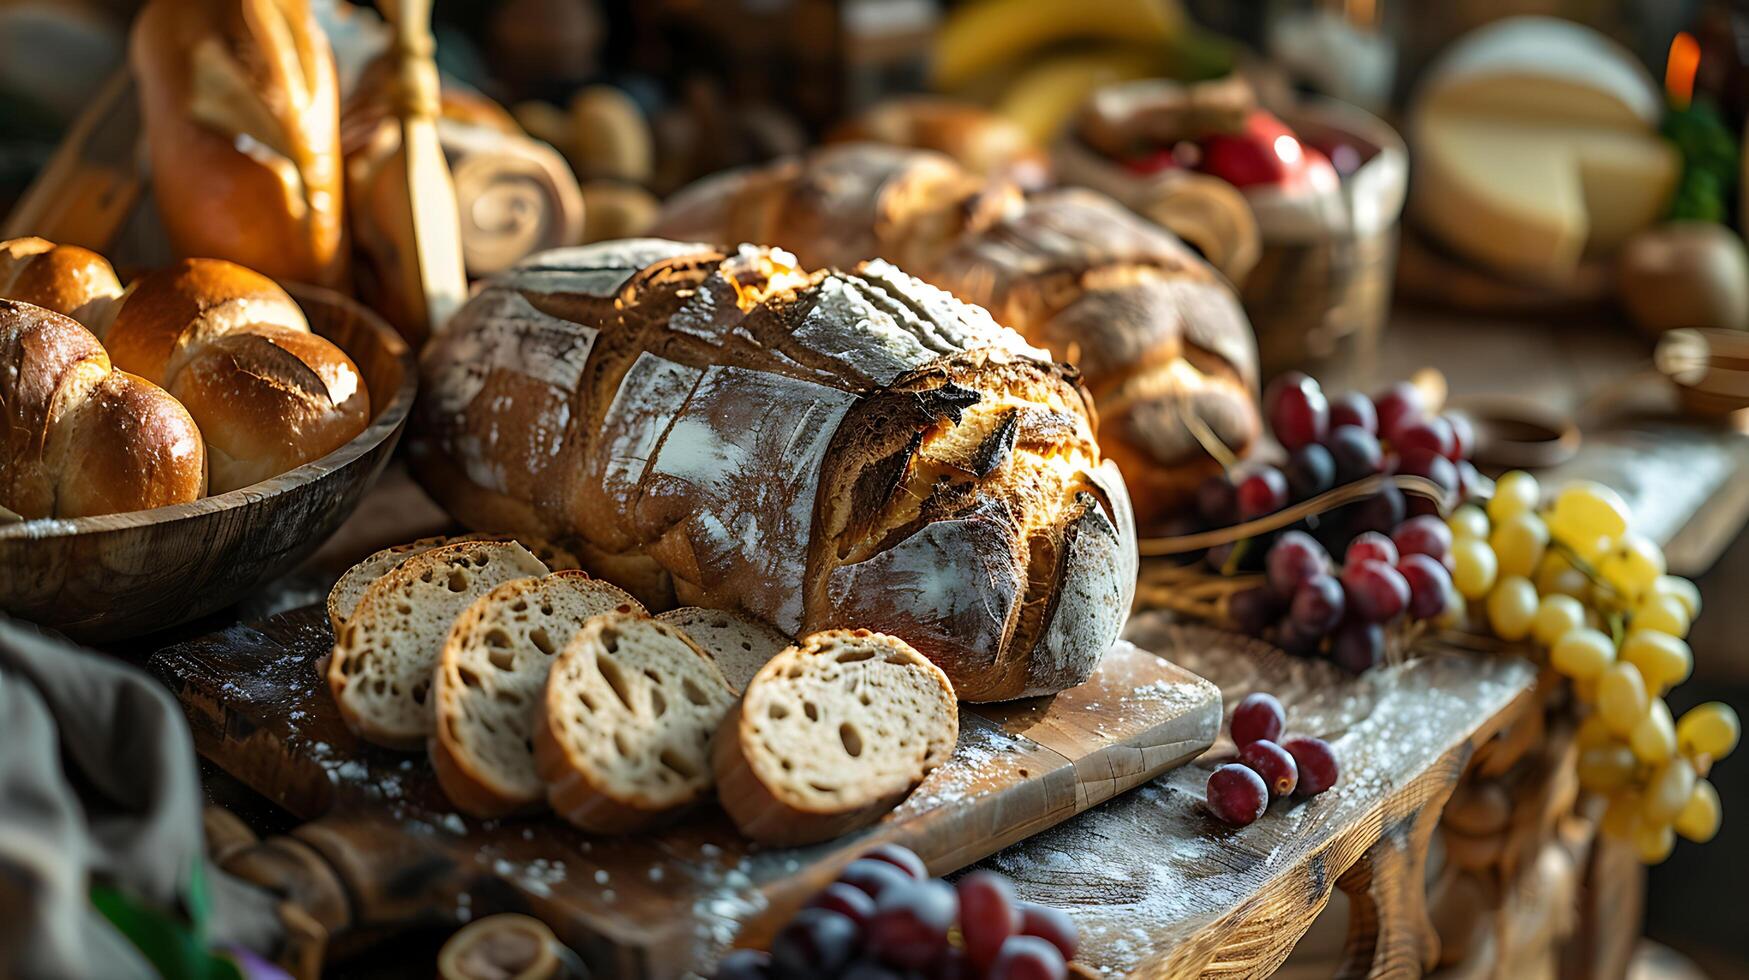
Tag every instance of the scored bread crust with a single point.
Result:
(655, 707)
(381, 669)
(344, 597)
(848, 755)
(739, 644)
(490, 677)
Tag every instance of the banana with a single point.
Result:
(1042, 99)
(984, 35)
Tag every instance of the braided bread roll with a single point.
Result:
(819, 450)
(1158, 335)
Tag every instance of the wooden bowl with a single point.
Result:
(120, 575)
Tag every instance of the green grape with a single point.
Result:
(1663, 660)
(1621, 698)
(1556, 615)
(1607, 768)
(1511, 607)
(1519, 542)
(1468, 521)
(1654, 842)
(1474, 567)
(1654, 738)
(1555, 575)
(1514, 493)
(1699, 819)
(1593, 733)
(1682, 590)
(1668, 791)
(1622, 816)
(1709, 729)
(1582, 653)
(1585, 689)
(1456, 614)
(1662, 612)
(1591, 510)
(1632, 565)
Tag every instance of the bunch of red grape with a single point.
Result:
(886, 919)
(1268, 767)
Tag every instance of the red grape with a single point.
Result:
(744, 964)
(1236, 794)
(1358, 646)
(1317, 606)
(1432, 434)
(816, 943)
(1270, 761)
(1217, 501)
(910, 923)
(1397, 406)
(1472, 485)
(1426, 463)
(1380, 512)
(872, 970)
(1295, 557)
(1252, 610)
(1374, 591)
(872, 876)
(988, 915)
(953, 964)
(1429, 585)
(847, 900)
(1028, 958)
(1298, 642)
(1370, 546)
(1262, 492)
(1463, 435)
(1423, 535)
(903, 858)
(1310, 471)
(1299, 415)
(1357, 453)
(1354, 409)
(1258, 716)
(1051, 924)
(1317, 762)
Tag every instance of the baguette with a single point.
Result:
(489, 677)
(739, 644)
(622, 734)
(381, 669)
(343, 598)
(832, 734)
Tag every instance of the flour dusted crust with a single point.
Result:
(842, 448)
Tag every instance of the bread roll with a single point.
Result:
(79, 438)
(242, 115)
(267, 394)
(70, 280)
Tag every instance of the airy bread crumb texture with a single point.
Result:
(738, 643)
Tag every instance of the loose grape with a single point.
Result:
(1709, 729)
(1654, 842)
(1591, 509)
(1668, 790)
(1317, 606)
(903, 858)
(1258, 716)
(1424, 535)
(744, 964)
(847, 900)
(1354, 409)
(1582, 653)
(1699, 819)
(1398, 406)
(1556, 615)
(1370, 546)
(1295, 557)
(1432, 434)
(1607, 768)
(817, 942)
(1374, 591)
(1519, 542)
(1028, 958)
(1593, 733)
(1463, 435)
(1661, 612)
(1253, 610)
(1622, 698)
(1298, 412)
(872, 876)
(1515, 493)
(989, 914)
(1632, 566)
(1273, 763)
(1217, 501)
(1663, 660)
(1237, 795)
(910, 924)
(1557, 576)
(1468, 521)
(1261, 493)
(1683, 590)
(1357, 453)
(1359, 646)
(1474, 567)
(1051, 924)
(1654, 738)
(1622, 816)
(1317, 763)
(1429, 586)
(1310, 471)
(1512, 607)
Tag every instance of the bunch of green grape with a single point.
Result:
(1574, 578)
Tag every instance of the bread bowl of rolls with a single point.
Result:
(167, 446)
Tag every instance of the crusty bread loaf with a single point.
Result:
(1158, 334)
(817, 450)
(491, 674)
(79, 438)
(622, 734)
(831, 734)
(233, 347)
(739, 644)
(383, 661)
(68, 279)
(242, 124)
(985, 142)
(343, 598)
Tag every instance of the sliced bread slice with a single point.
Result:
(831, 734)
(490, 675)
(739, 643)
(385, 654)
(622, 737)
(344, 596)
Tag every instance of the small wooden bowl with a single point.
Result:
(120, 575)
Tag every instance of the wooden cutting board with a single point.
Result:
(660, 904)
